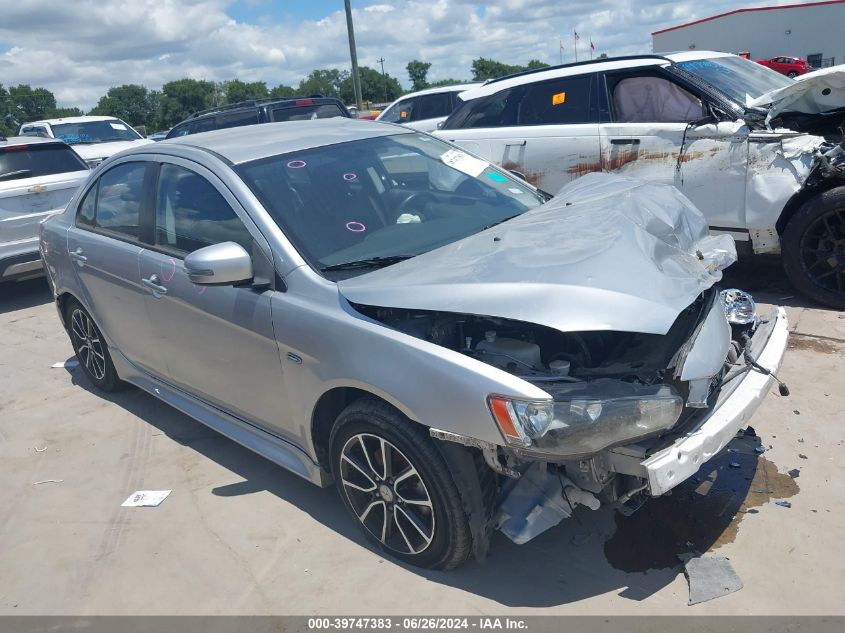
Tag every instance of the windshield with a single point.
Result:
(372, 202)
(737, 77)
(94, 131)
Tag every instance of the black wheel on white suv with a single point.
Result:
(814, 248)
(397, 486)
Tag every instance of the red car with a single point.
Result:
(789, 66)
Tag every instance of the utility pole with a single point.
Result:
(384, 77)
(356, 79)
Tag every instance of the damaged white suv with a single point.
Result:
(742, 142)
(365, 303)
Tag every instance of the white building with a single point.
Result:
(814, 31)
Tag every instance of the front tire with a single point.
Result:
(814, 248)
(90, 348)
(397, 486)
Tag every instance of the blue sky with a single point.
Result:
(285, 10)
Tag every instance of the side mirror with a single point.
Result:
(518, 174)
(223, 264)
(141, 129)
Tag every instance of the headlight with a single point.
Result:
(586, 417)
(740, 308)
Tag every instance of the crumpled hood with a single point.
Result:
(813, 93)
(104, 150)
(607, 253)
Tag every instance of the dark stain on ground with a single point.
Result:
(532, 177)
(702, 513)
(813, 343)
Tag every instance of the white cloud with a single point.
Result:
(79, 49)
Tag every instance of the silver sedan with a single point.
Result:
(367, 305)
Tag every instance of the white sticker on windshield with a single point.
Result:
(464, 162)
(118, 126)
(515, 190)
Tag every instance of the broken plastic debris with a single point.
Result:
(67, 364)
(39, 450)
(760, 449)
(47, 481)
(802, 456)
(794, 473)
(145, 498)
(735, 465)
(783, 504)
(709, 577)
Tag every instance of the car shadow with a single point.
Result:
(763, 276)
(591, 554)
(20, 295)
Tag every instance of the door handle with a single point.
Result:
(154, 284)
(78, 255)
(624, 141)
(515, 143)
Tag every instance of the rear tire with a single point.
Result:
(90, 348)
(415, 497)
(792, 74)
(814, 248)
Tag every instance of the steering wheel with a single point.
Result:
(418, 199)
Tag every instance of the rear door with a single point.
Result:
(548, 130)
(653, 128)
(217, 341)
(105, 245)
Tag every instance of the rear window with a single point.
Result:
(27, 161)
(303, 113)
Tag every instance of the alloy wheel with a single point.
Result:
(387, 493)
(822, 250)
(87, 343)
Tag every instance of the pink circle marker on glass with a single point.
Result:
(297, 164)
(172, 270)
(355, 227)
(350, 177)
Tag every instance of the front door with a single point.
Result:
(655, 131)
(104, 246)
(217, 341)
(548, 131)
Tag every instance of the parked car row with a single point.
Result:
(305, 287)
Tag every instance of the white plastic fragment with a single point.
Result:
(47, 481)
(67, 364)
(146, 498)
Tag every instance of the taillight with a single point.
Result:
(16, 148)
(303, 102)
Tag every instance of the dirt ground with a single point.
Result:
(239, 535)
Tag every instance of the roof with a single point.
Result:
(73, 119)
(252, 142)
(752, 10)
(554, 72)
(28, 140)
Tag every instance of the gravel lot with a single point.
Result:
(239, 535)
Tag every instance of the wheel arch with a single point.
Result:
(329, 406)
(798, 200)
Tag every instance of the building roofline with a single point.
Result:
(751, 10)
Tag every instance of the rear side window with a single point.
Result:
(87, 209)
(304, 113)
(119, 195)
(557, 102)
(433, 106)
(28, 161)
(236, 119)
(192, 214)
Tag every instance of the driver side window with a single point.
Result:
(652, 99)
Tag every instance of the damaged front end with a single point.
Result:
(603, 300)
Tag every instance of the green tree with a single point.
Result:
(183, 97)
(282, 92)
(446, 82)
(534, 64)
(29, 104)
(58, 113)
(417, 72)
(323, 81)
(602, 56)
(236, 90)
(484, 69)
(129, 102)
(375, 87)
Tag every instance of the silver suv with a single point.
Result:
(740, 140)
(366, 304)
